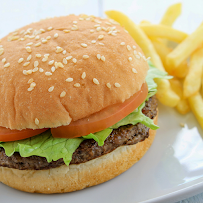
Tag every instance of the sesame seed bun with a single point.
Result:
(66, 68)
(76, 177)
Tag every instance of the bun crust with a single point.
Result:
(35, 99)
(77, 177)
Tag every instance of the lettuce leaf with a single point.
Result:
(52, 149)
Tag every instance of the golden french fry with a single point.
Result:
(164, 93)
(164, 31)
(192, 82)
(182, 106)
(138, 35)
(184, 49)
(171, 14)
(196, 104)
(180, 71)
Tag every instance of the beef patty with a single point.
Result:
(88, 149)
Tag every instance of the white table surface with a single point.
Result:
(17, 13)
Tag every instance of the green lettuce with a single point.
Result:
(45, 145)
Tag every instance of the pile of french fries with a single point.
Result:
(183, 60)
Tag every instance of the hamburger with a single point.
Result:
(77, 104)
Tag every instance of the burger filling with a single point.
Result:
(44, 151)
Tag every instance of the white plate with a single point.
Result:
(171, 170)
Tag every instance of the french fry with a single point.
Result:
(182, 106)
(171, 14)
(192, 82)
(180, 71)
(184, 49)
(164, 93)
(196, 104)
(138, 35)
(163, 31)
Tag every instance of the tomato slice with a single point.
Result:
(7, 135)
(102, 119)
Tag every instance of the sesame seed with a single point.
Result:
(59, 49)
(97, 25)
(101, 43)
(101, 37)
(49, 28)
(128, 47)
(59, 65)
(137, 56)
(140, 54)
(29, 57)
(30, 80)
(117, 84)
(44, 59)
(51, 62)
(85, 56)
(38, 44)
(6, 65)
(29, 44)
(87, 19)
(98, 29)
(53, 69)
(91, 31)
(28, 49)
(84, 45)
(75, 27)
(109, 33)
(135, 52)
(103, 28)
(95, 81)
(126, 31)
(30, 89)
(99, 56)
(38, 55)
(69, 57)
(69, 79)
(36, 121)
(148, 58)
(56, 35)
(134, 70)
(81, 19)
(46, 55)
(41, 70)
(37, 37)
(65, 61)
(3, 60)
(76, 85)
(26, 63)
(113, 33)
(48, 37)
(51, 89)
(35, 69)
(33, 84)
(44, 41)
(75, 22)
(66, 31)
(83, 76)
(48, 73)
(74, 60)
(93, 41)
(64, 52)
(108, 23)
(36, 63)
(42, 30)
(144, 58)
(108, 85)
(32, 36)
(134, 47)
(102, 58)
(130, 59)
(63, 94)
(29, 72)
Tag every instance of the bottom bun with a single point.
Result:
(77, 176)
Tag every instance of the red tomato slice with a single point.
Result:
(102, 119)
(13, 135)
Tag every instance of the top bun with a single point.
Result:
(66, 68)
